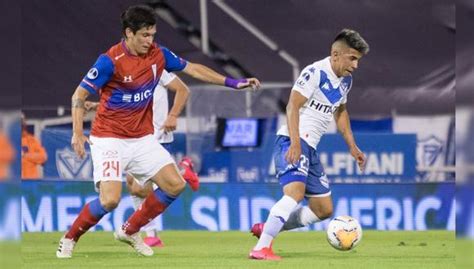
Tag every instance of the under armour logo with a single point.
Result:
(127, 78)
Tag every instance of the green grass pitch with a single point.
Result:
(202, 249)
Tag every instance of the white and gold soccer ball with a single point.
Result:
(344, 233)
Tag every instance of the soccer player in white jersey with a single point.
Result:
(318, 96)
(164, 123)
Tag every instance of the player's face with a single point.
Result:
(347, 62)
(141, 41)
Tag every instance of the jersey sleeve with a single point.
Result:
(98, 75)
(166, 78)
(172, 61)
(307, 82)
(344, 100)
(348, 81)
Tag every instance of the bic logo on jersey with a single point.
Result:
(137, 97)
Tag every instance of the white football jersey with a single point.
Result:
(325, 92)
(160, 107)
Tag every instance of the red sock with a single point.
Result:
(83, 222)
(149, 209)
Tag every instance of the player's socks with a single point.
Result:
(301, 217)
(155, 203)
(151, 233)
(278, 216)
(148, 229)
(88, 217)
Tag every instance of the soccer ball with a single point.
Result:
(344, 233)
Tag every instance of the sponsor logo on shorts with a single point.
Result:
(324, 180)
(109, 154)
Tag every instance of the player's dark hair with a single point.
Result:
(137, 17)
(353, 40)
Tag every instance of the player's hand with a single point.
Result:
(293, 154)
(77, 144)
(359, 156)
(170, 124)
(249, 83)
(244, 83)
(89, 106)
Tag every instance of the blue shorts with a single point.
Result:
(308, 170)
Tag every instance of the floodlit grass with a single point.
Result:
(464, 253)
(10, 254)
(202, 249)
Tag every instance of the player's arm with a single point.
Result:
(182, 93)
(97, 77)
(297, 100)
(206, 74)
(344, 127)
(77, 111)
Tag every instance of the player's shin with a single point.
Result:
(301, 217)
(279, 214)
(89, 216)
(155, 203)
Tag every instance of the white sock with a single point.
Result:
(301, 217)
(137, 201)
(278, 216)
(151, 233)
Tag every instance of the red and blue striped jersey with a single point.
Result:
(125, 83)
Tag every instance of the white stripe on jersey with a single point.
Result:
(325, 92)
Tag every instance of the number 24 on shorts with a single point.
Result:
(111, 167)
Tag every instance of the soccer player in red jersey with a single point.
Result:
(122, 133)
(164, 123)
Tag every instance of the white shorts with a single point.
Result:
(140, 157)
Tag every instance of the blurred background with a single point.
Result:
(410, 107)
